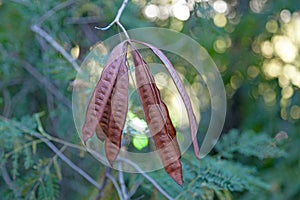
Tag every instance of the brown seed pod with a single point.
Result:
(102, 92)
(182, 92)
(117, 118)
(158, 119)
(102, 127)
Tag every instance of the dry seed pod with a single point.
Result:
(102, 127)
(158, 119)
(102, 92)
(182, 92)
(117, 118)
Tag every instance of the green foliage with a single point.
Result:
(221, 176)
(34, 177)
(248, 143)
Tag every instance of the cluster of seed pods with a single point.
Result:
(108, 106)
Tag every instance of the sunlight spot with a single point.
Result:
(283, 81)
(236, 81)
(292, 29)
(285, 16)
(267, 49)
(272, 68)
(164, 12)
(220, 6)
(75, 51)
(296, 79)
(295, 112)
(220, 20)
(138, 124)
(198, 1)
(269, 96)
(256, 46)
(287, 92)
(229, 91)
(100, 48)
(272, 26)
(252, 72)
(285, 49)
(151, 11)
(181, 11)
(262, 87)
(289, 71)
(257, 5)
(220, 45)
(176, 24)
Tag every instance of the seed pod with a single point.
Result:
(158, 119)
(102, 92)
(182, 92)
(102, 127)
(117, 118)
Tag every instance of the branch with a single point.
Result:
(104, 182)
(47, 83)
(117, 20)
(69, 162)
(55, 45)
(152, 181)
(7, 179)
(49, 13)
(135, 187)
(121, 180)
(113, 180)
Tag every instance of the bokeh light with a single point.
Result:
(220, 20)
(220, 6)
(285, 48)
(181, 11)
(285, 16)
(75, 51)
(151, 11)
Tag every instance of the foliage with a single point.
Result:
(251, 160)
(216, 176)
(19, 151)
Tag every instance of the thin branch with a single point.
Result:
(104, 182)
(117, 18)
(152, 181)
(49, 13)
(113, 180)
(124, 30)
(135, 187)
(7, 179)
(47, 83)
(69, 162)
(7, 103)
(117, 21)
(122, 182)
(55, 45)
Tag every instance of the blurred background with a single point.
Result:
(255, 45)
